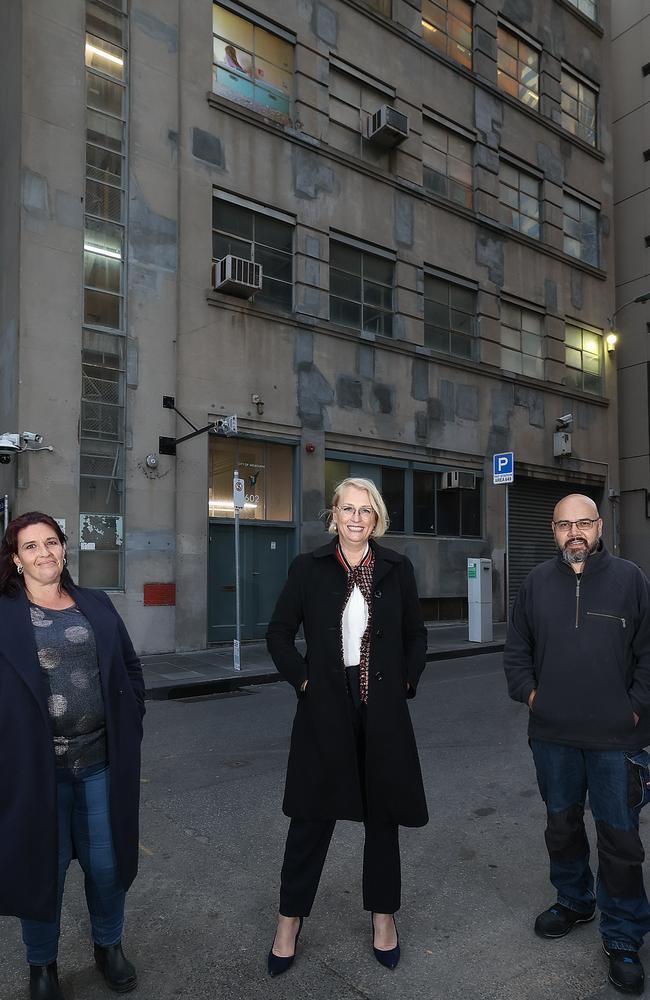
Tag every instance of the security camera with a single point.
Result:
(32, 438)
(564, 422)
(10, 444)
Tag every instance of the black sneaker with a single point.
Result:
(625, 970)
(558, 920)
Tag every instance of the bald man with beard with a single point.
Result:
(578, 655)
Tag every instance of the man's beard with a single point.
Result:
(577, 556)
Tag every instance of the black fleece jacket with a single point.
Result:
(583, 642)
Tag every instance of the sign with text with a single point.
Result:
(503, 468)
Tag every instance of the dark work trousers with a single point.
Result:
(309, 840)
(617, 791)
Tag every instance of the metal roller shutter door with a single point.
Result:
(530, 510)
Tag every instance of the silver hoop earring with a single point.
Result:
(19, 570)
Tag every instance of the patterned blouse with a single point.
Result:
(68, 657)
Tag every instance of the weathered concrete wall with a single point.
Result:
(51, 258)
(10, 152)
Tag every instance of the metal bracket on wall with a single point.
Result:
(223, 425)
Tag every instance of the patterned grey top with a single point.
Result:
(68, 657)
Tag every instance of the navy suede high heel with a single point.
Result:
(276, 964)
(388, 959)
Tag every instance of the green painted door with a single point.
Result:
(265, 553)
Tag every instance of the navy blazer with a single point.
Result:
(28, 806)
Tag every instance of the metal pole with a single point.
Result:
(507, 556)
(6, 511)
(237, 646)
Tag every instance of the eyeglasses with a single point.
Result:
(583, 524)
(348, 511)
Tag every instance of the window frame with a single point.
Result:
(366, 251)
(459, 135)
(583, 203)
(269, 28)
(585, 331)
(372, 466)
(524, 310)
(259, 211)
(503, 55)
(453, 282)
(432, 27)
(582, 82)
(528, 174)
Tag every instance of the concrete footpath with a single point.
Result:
(211, 671)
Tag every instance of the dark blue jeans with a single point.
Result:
(617, 792)
(84, 824)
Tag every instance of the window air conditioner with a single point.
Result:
(456, 479)
(236, 276)
(387, 127)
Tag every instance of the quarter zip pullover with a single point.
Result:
(582, 642)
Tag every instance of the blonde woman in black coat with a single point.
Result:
(353, 754)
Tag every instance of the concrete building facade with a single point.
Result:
(631, 138)
(425, 187)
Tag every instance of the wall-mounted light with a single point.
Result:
(611, 341)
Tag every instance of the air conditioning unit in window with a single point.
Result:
(387, 127)
(456, 479)
(237, 276)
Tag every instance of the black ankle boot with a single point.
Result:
(118, 972)
(44, 982)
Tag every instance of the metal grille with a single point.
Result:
(531, 541)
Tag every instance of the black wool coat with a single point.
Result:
(28, 803)
(322, 775)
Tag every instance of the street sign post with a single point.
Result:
(238, 503)
(503, 473)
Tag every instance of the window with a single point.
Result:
(578, 107)
(517, 67)
(352, 100)
(450, 318)
(584, 359)
(252, 66)
(447, 27)
(522, 341)
(519, 200)
(267, 471)
(439, 511)
(416, 499)
(580, 230)
(260, 238)
(361, 289)
(587, 7)
(447, 163)
(381, 6)
(103, 374)
(101, 488)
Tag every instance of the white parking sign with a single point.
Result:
(238, 493)
(503, 468)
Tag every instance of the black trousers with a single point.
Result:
(308, 842)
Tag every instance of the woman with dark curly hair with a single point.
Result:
(71, 708)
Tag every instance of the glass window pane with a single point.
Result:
(278, 293)
(392, 490)
(102, 309)
(573, 336)
(506, 41)
(103, 200)
(273, 233)
(378, 269)
(273, 50)
(102, 272)
(436, 289)
(344, 312)
(104, 95)
(462, 298)
(345, 285)
(274, 265)
(511, 360)
(232, 27)
(533, 367)
(232, 219)
(424, 512)
(448, 511)
(470, 501)
(436, 313)
(224, 245)
(573, 358)
(511, 338)
(461, 346)
(434, 181)
(101, 496)
(345, 258)
(532, 344)
(105, 57)
(105, 131)
(105, 23)
(377, 295)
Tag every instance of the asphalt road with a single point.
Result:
(200, 917)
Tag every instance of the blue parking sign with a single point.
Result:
(503, 468)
